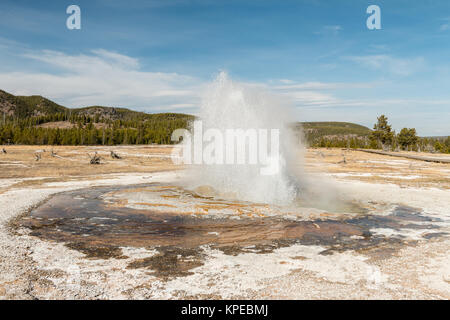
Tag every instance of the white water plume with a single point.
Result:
(229, 105)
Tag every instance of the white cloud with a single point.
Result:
(445, 27)
(389, 64)
(321, 85)
(332, 29)
(308, 98)
(103, 78)
(286, 81)
(445, 24)
(315, 94)
(108, 78)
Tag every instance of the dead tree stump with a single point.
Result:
(115, 155)
(344, 161)
(95, 159)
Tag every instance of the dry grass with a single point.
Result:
(73, 162)
(67, 125)
(379, 168)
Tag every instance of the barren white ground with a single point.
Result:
(33, 268)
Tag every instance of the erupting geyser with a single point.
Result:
(229, 106)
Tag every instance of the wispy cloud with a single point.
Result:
(106, 78)
(98, 61)
(444, 27)
(103, 77)
(389, 64)
(333, 29)
(314, 85)
(445, 24)
(316, 94)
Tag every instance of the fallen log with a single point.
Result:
(408, 156)
(55, 155)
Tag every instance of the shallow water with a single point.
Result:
(98, 221)
(83, 215)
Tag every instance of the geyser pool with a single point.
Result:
(101, 221)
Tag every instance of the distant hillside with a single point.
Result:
(37, 120)
(32, 106)
(334, 128)
(317, 133)
(22, 107)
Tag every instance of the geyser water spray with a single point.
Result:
(242, 145)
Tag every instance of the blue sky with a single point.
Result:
(157, 56)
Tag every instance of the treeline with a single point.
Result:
(381, 137)
(121, 126)
(354, 142)
(92, 130)
(441, 145)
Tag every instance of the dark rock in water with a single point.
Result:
(170, 262)
(98, 252)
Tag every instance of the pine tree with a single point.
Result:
(382, 133)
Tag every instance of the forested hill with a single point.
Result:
(37, 120)
(22, 107)
(351, 135)
(335, 134)
(334, 128)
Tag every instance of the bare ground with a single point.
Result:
(33, 268)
